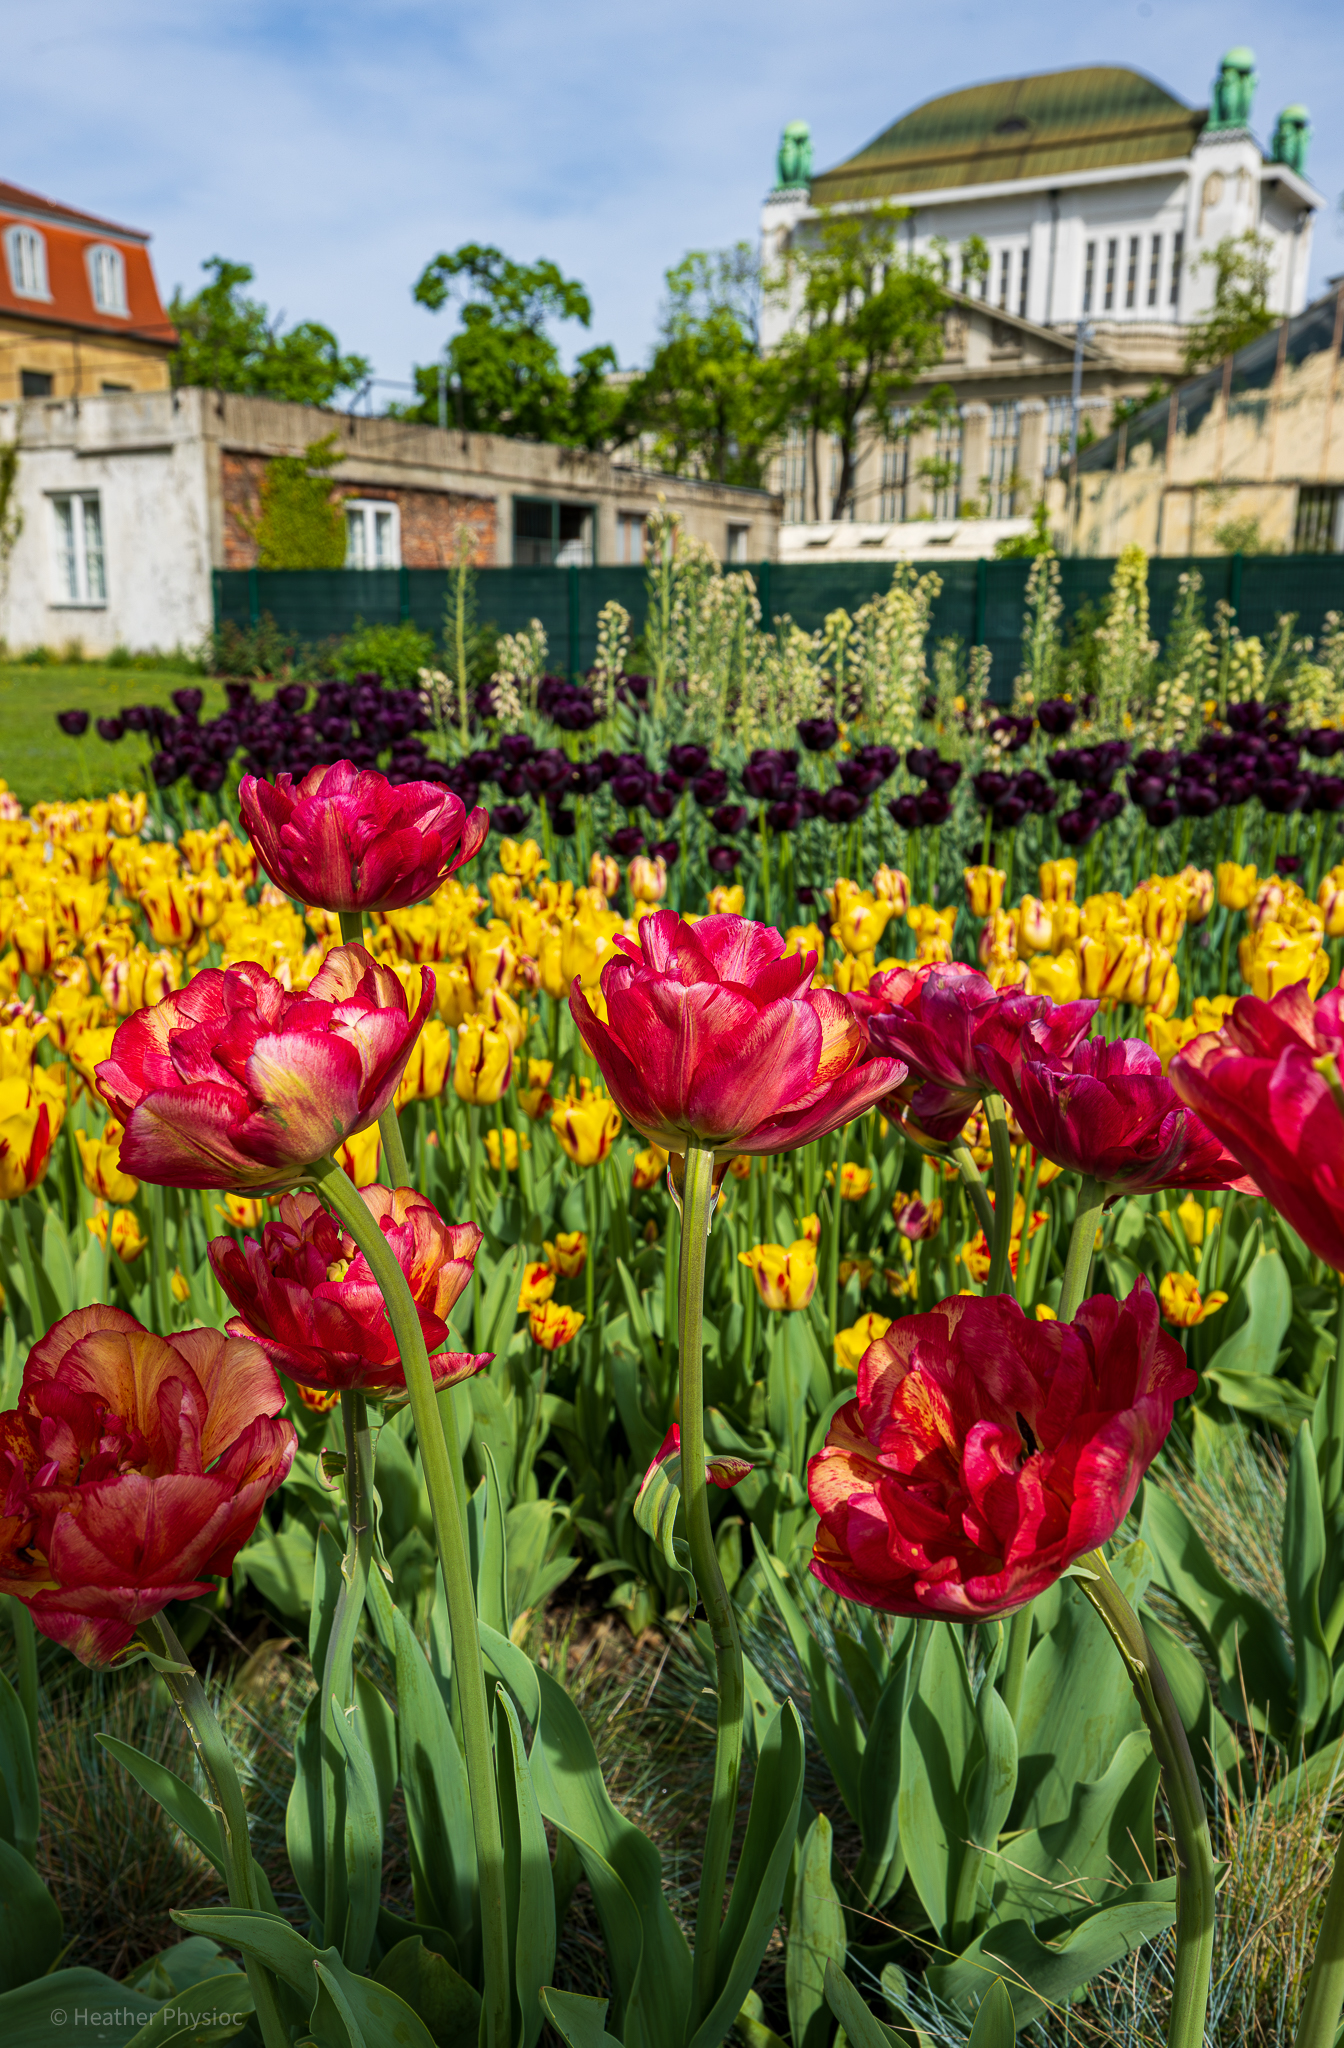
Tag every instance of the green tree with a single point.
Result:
(300, 524)
(1240, 310)
(503, 367)
(230, 343)
(708, 399)
(867, 320)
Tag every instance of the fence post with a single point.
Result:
(573, 620)
(981, 598)
(404, 592)
(254, 595)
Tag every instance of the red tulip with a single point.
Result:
(306, 1295)
(232, 1082)
(1258, 1086)
(348, 839)
(133, 1470)
(986, 1451)
(721, 1470)
(939, 1018)
(1108, 1111)
(714, 1038)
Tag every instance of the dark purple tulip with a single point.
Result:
(1196, 799)
(586, 778)
(208, 776)
(110, 729)
(841, 806)
(1147, 790)
(574, 715)
(944, 776)
(165, 769)
(1327, 793)
(1035, 791)
(638, 686)
(1163, 812)
(660, 803)
(1155, 761)
(905, 810)
(818, 735)
(515, 748)
(1287, 863)
(189, 702)
(989, 785)
(723, 859)
(629, 788)
(482, 765)
(1056, 716)
(933, 807)
(810, 799)
(785, 815)
(688, 760)
(1076, 827)
(862, 780)
(1007, 812)
(563, 822)
(1010, 731)
(922, 761)
(1283, 794)
(136, 719)
(627, 842)
(729, 818)
(1109, 805)
(509, 817)
(882, 759)
(710, 788)
(1325, 742)
(75, 723)
(668, 850)
(669, 779)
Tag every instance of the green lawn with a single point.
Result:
(38, 761)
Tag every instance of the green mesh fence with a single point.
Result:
(980, 603)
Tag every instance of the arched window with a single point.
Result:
(107, 277)
(27, 255)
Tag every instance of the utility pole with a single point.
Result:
(1081, 334)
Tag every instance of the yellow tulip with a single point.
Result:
(1106, 963)
(39, 944)
(1066, 924)
(1275, 957)
(521, 858)
(809, 1227)
(127, 1239)
(553, 1325)
(1194, 1221)
(860, 920)
(1153, 981)
(1055, 976)
(126, 814)
(511, 1142)
(933, 929)
(427, 1068)
(180, 1285)
(1059, 880)
(1167, 1035)
(453, 996)
(785, 1275)
(499, 1012)
(1212, 1012)
(603, 875)
(31, 1114)
(647, 878)
(568, 1255)
(851, 1344)
(246, 1211)
(82, 908)
(492, 958)
(504, 891)
(805, 938)
(1158, 909)
(538, 1285)
(892, 885)
(855, 1181)
(360, 1156)
(19, 1040)
(535, 1100)
(1330, 902)
(1199, 893)
(168, 914)
(860, 1269)
(984, 889)
(587, 1129)
(89, 1045)
(1035, 926)
(1182, 1302)
(100, 1158)
(484, 1062)
(727, 901)
(998, 937)
(649, 1168)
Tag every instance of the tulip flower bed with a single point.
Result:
(897, 1305)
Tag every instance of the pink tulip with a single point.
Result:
(986, 1451)
(306, 1295)
(348, 839)
(1109, 1112)
(232, 1082)
(939, 1017)
(1268, 1085)
(133, 1470)
(714, 1037)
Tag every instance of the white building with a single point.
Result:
(1097, 195)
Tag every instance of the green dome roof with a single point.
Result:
(1045, 126)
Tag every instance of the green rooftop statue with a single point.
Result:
(1292, 133)
(1233, 89)
(793, 165)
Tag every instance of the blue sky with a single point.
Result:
(337, 147)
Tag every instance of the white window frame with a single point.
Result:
(364, 515)
(630, 538)
(739, 534)
(26, 257)
(79, 558)
(107, 267)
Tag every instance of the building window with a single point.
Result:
(1089, 275)
(630, 538)
(27, 254)
(550, 535)
(793, 479)
(1320, 521)
(1005, 429)
(946, 487)
(372, 534)
(1023, 278)
(80, 574)
(1132, 274)
(738, 537)
(107, 278)
(105, 387)
(1005, 276)
(35, 383)
(1058, 427)
(895, 469)
(1112, 259)
(1177, 251)
(1155, 271)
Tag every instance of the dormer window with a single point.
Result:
(107, 279)
(26, 252)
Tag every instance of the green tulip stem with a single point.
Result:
(25, 1654)
(1189, 1823)
(1082, 1243)
(389, 1123)
(1005, 1188)
(1024, 1258)
(696, 1205)
(1015, 1664)
(975, 1188)
(338, 1687)
(212, 1750)
(441, 1460)
(28, 1263)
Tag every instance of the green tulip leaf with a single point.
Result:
(941, 1748)
(1255, 1345)
(433, 1988)
(527, 1873)
(861, 2029)
(20, 1804)
(438, 1797)
(816, 1938)
(580, 2022)
(179, 2019)
(27, 2013)
(31, 1936)
(1038, 1976)
(198, 1822)
(994, 2026)
(383, 2019)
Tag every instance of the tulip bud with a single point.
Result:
(649, 1168)
(785, 1276)
(1106, 964)
(892, 885)
(127, 1239)
(1330, 902)
(32, 1110)
(510, 1150)
(484, 1062)
(1059, 881)
(860, 920)
(727, 901)
(553, 1325)
(1199, 893)
(535, 1100)
(1057, 977)
(100, 1158)
(1035, 926)
(587, 1129)
(1266, 903)
(855, 1181)
(915, 1218)
(810, 1228)
(538, 1285)
(604, 875)
(568, 1255)
(427, 1068)
(851, 1344)
(168, 912)
(521, 858)
(984, 889)
(647, 878)
(1066, 923)
(360, 1155)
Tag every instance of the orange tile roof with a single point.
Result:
(68, 235)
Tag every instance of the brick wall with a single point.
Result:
(430, 520)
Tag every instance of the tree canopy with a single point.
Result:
(231, 343)
(709, 400)
(503, 368)
(1240, 310)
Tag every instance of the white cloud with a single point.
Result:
(337, 148)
